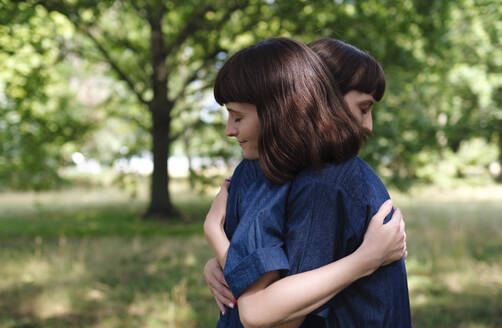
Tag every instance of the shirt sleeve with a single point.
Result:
(257, 245)
(319, 228)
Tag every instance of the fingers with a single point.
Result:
(383, 211)
(218, 275)
(220, 306)
(225, 184)
(403, 233)
(219, 297)
(397, 218)
(225, 291)
(402, 224)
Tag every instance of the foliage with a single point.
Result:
(472, 159)
(36, 134)
(442, 61)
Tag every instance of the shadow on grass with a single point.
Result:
(108, 282)
(475, 306)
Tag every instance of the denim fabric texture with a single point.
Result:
(317, 218)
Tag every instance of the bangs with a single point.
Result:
(236, 82)
(352, 68)
(369, 78)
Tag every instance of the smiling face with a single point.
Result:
(360, 105)
(244, 125)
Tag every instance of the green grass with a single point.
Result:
(455, 256)
(83, 213)
(80, 258)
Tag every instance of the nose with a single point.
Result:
(230, 129)
(368, 122)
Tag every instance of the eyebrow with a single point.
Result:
(367, 101)
(229, 109)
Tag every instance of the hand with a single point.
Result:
(215, 218)
(218, 286)
(385, 243)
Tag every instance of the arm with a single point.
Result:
(293, 297)
(286, 299)
(213, 225)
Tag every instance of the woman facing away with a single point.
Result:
(305, 203)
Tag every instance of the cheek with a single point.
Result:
(256, 129)
(356, 112)
(358, 115)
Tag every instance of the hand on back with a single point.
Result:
(385, 243)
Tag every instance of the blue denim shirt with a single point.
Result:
(317, 218)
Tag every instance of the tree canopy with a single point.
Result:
(69, 68)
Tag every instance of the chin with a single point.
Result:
(249, 156)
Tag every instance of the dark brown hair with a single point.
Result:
(352, 68)
(303, 120)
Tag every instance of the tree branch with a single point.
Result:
(136, 121)
(195, 124)
(112, 63)
(209, 56)
(194, 76)
(137, 8)
(188, 30)
(73, 18)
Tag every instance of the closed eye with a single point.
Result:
(366, 107)
(365, 110)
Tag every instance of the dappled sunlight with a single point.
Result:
(31, 271)
(63, 280)
(454, 255)
(487, 276)
(168, 309)
(106, 282)
(52, 302)
(458, 303)
(190, 260)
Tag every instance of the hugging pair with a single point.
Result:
(303, 231)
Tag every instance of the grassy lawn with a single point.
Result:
(81, 258)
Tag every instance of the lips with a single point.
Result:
(242, 143)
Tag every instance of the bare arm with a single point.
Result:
(213, 225)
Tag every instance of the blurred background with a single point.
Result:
(96, 97)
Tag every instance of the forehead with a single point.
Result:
(240, 107)
(358, 96)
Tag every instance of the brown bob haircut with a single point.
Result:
(303, 120)
(352, 68)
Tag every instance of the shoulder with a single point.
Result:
(367, 181)
(361, 182)
(353, 178)
(244, 173)
(319, 185)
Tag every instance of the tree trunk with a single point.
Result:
(499, 177)
(160, 108)
(160, 200)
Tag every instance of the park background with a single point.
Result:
(96, 97)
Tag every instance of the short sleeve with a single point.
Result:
(257, 246)
(319, 227)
